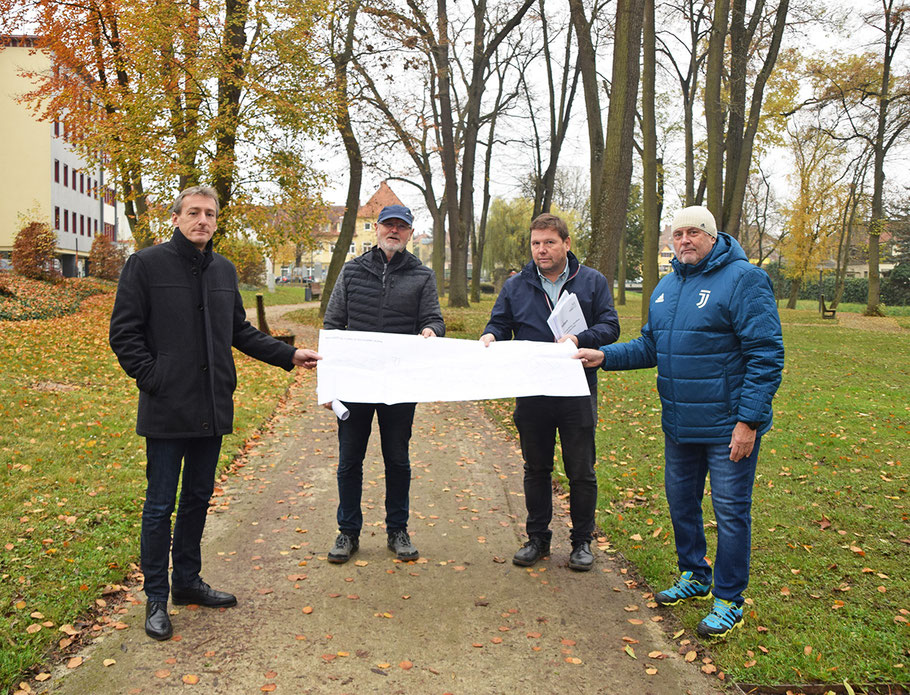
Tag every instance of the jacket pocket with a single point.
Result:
(151, 383)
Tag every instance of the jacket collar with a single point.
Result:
(189, 251)
(529, 272)
(725, 250)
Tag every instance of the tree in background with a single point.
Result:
(813, 213)
(34, 251)
(874, 99)
(163, 92)
(106, 258)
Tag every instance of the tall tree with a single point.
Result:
(754, 42)
(165, 91)
(341, 51)
(610, 210)
(650, 165)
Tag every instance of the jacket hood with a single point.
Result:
(725, 250)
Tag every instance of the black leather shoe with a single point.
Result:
(202, 594)
(581, 558)
(345, 546)
(400, 544)
(157, 621)
(531, 552)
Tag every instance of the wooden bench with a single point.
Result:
(826, 312)
(316, 290)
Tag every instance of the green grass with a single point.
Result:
(847, 307)
(72, 474)
(283, 294)
(831, 509)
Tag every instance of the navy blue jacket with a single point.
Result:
(522, 308)
(714, 334)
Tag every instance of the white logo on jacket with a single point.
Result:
(703, 298)
(659, 299)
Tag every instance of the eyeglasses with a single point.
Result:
(400, 226)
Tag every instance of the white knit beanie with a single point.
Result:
(695, 216)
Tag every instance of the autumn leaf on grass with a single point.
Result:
(190, 679)
(75, 662)
(691, 656)
(108, 662)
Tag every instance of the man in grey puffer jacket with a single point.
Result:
(386, 290)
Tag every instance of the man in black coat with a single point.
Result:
(177, 314)
(386, 290)
(521, 312)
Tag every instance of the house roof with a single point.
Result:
(384, 196)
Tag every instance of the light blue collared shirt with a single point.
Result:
(552, 288)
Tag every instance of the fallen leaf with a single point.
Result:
(190, 679)
(162, 673)
(307, 609)
(75, 662)
(650, 670)
(406, 665)
(628, 650)
(41, 677)
(268, 688)
(108, 662)
(691, 656)
(573, 660)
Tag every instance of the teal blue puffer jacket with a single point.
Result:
(714, 334)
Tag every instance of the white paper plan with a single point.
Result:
(366, 367)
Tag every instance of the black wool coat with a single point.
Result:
(177, 313)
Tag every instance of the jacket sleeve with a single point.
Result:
(429, 312)
(258, 345)
(500, 323)
(603, 328)
(336, 311)
(128, 337)
(753, 312)
(640, 353)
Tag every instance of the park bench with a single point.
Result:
(316, 290)
(826, 312)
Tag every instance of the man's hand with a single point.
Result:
(742, 441)
(571, 337)
(487, 339)
(306, 358)
(428, 333)
(589, 357)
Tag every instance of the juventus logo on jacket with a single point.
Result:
(703, 298)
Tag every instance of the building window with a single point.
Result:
(74, 178)
(353, 248)
(66, 175)
(367, 225)
(56, 171)
(82, 225)
(82, 183)
(66, 221)
(57, 129)
(75, 226)
(57, 218)
(366, 246)
(331, 248)
(96, 227)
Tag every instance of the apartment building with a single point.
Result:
(41, 176)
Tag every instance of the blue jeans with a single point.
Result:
(199, 456)
(537, 419)
(395, 423)
(731, 497)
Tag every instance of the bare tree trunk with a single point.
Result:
(714, 109)
(617, 162)
(651, 209)
(355, 160)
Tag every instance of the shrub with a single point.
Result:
(34, 250)
(246, 257)
(105, 259)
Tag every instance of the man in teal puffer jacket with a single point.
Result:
(714, 334)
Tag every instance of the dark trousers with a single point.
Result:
(395, 423)
(538, 418)
(199, 457)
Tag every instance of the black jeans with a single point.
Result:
(395, 423)
(199, 456)
(538, 418)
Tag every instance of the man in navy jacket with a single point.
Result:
(177, 314)
(714, 334)
(521, 312)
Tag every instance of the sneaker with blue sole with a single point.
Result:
(684, 589)
(723, 618)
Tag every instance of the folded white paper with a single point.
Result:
(340, 411)
(566, 317)
(365, 367)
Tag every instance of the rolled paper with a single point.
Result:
(340, 411)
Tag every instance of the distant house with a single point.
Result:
(315, 261)
(41, 175)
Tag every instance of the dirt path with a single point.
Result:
(462, 619)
